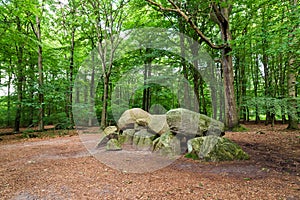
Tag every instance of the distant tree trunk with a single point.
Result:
(255, 77)
(41, 76)
(20, 78)
(105, 99)
(194, 46)
(71, 75)
(36, 28)
(202, 95)
(186, 93)
(92, 88)
(147, 75)
(31, 94)
(292, 78)
(243, 82)
(282, 89)
(8, 94)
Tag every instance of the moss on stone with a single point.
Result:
(213, 148)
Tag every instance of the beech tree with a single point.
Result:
(220, 13)
(255, 45)
(292, 69)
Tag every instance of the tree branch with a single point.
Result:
(176, 9)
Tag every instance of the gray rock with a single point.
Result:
(127, 136)
(110, 130)
(133, 116)
(167, 144)
(109, 133)
(158, 124)
(214, 148)
(142, 140)
(113, 145)
(189, 123)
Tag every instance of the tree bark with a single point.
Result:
(147, 75)
(231, 116)
(71, 119)
(105, 101)
(41, 75)
(221, 15)
(8, 94)
(20, 78)
(292, 78)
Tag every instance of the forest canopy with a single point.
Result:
(45, 44)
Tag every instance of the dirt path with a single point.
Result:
(61, 168)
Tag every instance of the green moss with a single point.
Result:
(213, 148)
(240, 128)
(192, 156)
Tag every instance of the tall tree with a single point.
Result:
(292, 69)
(36, 27)
(108, 17)
(220, 12)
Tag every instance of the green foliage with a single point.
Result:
(265, 37)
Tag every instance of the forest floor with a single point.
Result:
(62, 168)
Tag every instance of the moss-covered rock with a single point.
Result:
(142, 140)
(167, 144)
(133, 116)
(113, 145)
(109, 133)
(127, 136)
(213, 148)
(188, 123)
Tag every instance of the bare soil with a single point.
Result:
(62, 168)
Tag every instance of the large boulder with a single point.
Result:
(213, 148)
(167, 144)
(113, 145)
(110, 132)
(127, 136)
(158, 124)
(133, 116)
(142, 140)
(189, 123)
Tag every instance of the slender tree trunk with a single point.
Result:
(186, 98)
(105, 99)
(8, 94)
(147, 75)
(20, 79)
(196, 76)
(41, 76)
(31, 94)
(71, 76)
(292, 78)
(92, 88)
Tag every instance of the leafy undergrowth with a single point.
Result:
(61, 168)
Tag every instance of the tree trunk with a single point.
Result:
(231, 115)
(147, 75)
(292, 78)
(105, 99)
(92, 88)
(71, 120)
(41, 76)
(186, 97)
(20, 79)
(8, 94)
